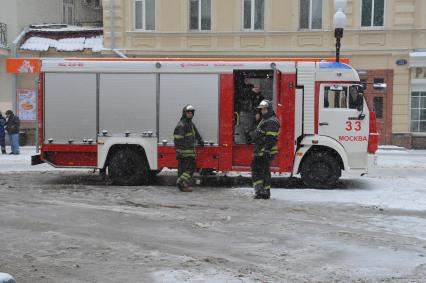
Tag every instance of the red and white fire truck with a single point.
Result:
(118, 115)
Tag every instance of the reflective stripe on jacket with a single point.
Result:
(266, 137)
(185, 137)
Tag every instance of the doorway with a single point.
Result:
(380, 100)
(251, 87)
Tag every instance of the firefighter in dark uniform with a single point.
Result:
(265, 149)
(185, 137)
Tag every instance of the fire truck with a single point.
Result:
(118, 115)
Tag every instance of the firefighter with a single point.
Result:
(250, 97)
(185, 137)
(265, 149)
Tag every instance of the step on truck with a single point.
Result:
(118, 116)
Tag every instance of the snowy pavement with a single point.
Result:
(398, 181)
(70, 226)
(22, 162)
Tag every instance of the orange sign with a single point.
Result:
(23, 65)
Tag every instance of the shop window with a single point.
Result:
(310, 14)
(378, 106)
(144, 14)
(253, 14)
(418, 112)
(199, 14)
(373, 13)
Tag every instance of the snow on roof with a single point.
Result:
(61, 28)
(62, 37)
(36, 43)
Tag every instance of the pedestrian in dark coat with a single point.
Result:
(12, 127)
(185, 137)
(265, 149)
(2, 134)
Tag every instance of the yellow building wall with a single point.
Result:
(367, 48)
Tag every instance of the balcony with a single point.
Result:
(3, 35)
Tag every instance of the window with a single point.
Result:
(310, 14)
(253, 14)
(377, 83)
(418, 111)
(373, 12)
(68, 12)
(97, 3)
(335, 97)
(199, 14)
(354, 96)
(144, 14)
(378, 106)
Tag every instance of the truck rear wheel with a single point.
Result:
(320, 170)
(129, 168)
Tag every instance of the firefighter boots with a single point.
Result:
(261, 193)
(183, 186)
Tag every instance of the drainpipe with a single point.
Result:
(112, 30)
(112, 18)
(15, 54)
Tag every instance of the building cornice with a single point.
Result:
(330, 52)
(254, 33)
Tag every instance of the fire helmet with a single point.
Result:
(264, 104)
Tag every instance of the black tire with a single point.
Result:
(154, 174)
(129, 168)
(320, 170)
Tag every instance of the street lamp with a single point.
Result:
(339, 22)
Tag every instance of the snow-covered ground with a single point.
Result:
(81, 229)
(398, 181)
(22, 162)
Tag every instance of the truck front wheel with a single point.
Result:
(320, 170)
(129, 168)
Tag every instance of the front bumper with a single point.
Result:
(371, 163)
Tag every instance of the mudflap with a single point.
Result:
(36, 160)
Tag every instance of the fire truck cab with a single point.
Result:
(118, 115)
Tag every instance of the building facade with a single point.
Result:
(82, 12)
(382, 39)
(21, 19)
(15, 16)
